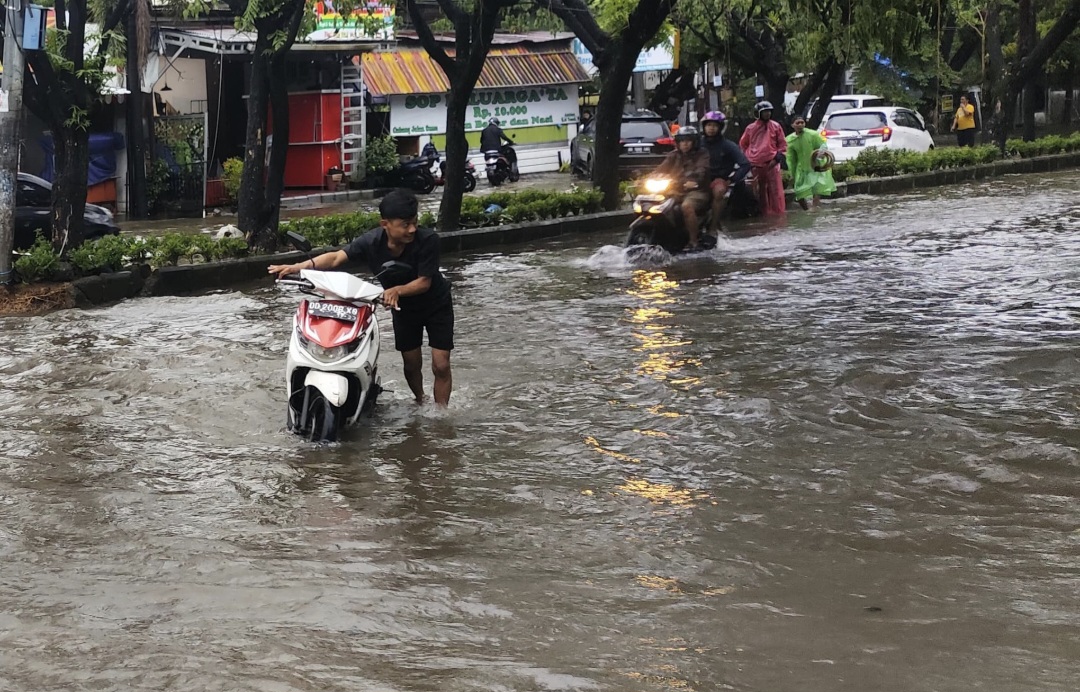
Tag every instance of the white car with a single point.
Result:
(844, 101)
(850, 132)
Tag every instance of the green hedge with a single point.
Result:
(873, 163)
(513, 207)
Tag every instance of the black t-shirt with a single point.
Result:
(422, 254)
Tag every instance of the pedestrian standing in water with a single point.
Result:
(808, 180)
(766, 147)
(963, 123)
(419, 301)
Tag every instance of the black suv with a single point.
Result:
(645, 140)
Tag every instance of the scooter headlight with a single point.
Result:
(323, 354)
(656, 185)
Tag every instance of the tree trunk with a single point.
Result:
(1069, 86)
(457, 151)
(995, 57)
(675, 89)
(264, 236)
(136, 127)
(813, 85)
(72, 163)
(829, 86)
(250, 197)
(614, 80)
(1025, 43)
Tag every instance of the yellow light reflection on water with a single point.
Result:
(662, 493)
(663, 350)
(595, 444)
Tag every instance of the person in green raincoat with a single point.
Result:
(809, 182)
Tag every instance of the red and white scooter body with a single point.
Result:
(331, 370)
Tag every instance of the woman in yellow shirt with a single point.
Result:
(963, 123)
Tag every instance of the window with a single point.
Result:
(643, 129)
(909, 120)
(856, 121)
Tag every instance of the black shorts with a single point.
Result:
(409, 328)
(965, 138)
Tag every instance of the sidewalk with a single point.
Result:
(300, 204)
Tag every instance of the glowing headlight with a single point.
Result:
(326, 355)
(656, 185)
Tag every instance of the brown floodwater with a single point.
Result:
(840, 454)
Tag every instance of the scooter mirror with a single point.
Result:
(298, 241)
(396, 270)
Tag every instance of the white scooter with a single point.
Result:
(331, 373)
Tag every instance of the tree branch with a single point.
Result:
(579, 19)
(427, 40)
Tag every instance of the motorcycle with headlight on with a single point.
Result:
(659, 220)
(331, 372)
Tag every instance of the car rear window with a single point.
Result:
(855, 121)
(839, 105)
(644, 129)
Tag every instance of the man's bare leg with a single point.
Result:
(413, 362)
(444, 380)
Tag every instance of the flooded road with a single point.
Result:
(842, 455)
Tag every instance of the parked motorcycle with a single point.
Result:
(331, 372)
(438, 169)
(501, 165)
(414, 174)
(659, 221)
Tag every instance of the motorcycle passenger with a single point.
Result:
(766, 147)
(492, 136)
(688, 165)
(727, 163)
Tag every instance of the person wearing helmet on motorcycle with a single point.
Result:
(492, 136)
(689, 166)
(766, 147)
(727, 163)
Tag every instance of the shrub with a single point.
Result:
(381, 155)
(234, 169)
(108, 254)
(36, 264)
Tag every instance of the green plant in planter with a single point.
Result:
(234, 169)
(36, 264)
(108, 254)
(380, 156)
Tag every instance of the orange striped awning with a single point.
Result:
(412, 71)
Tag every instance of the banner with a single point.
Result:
(372, 20)
(660, 58)
(425, 114)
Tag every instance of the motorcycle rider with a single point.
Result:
(492, 136)
(727, 163)
(766, 147)
(424, 302)
(688, 165)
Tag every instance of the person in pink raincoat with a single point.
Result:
(766, 147)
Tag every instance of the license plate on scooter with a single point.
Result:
(334, 311)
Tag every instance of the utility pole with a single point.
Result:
(10, 141)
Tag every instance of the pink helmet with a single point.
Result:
(715, 117)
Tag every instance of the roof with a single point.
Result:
(230, 41)
(414, 72)
(499, 39)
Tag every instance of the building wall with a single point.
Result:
(186, 79)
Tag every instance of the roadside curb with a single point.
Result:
(185, 279)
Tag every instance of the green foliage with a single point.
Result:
(108, 254)
(36, 264)
(330, 230)
(516, 207)
(234, 169)
(876, 162)
(381, 155)
(1052, 144)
